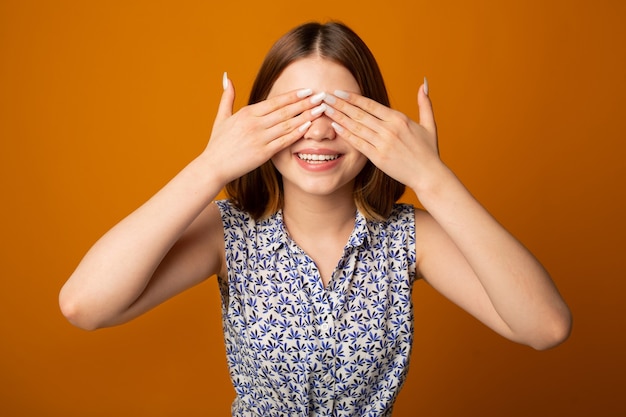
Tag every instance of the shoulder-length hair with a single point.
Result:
(260, 191)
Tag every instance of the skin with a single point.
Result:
(462, 252)
(319, 138)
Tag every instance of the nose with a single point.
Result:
(320, 129)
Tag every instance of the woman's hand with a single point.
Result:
(405, 150)
(243, 141)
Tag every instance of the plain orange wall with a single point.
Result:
(102, 102)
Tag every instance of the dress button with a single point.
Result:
(325, 326)
(328, 378)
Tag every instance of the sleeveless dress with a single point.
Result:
(296, 348)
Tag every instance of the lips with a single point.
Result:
(316, 158)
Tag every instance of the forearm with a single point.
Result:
(517, 285)
(117, 269)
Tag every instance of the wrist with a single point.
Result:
(433, 183)
(203, 176)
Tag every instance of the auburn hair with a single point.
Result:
(260, 191)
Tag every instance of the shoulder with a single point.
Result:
(424, 222)
(402, 215)
(433, 245)
(240, 226)
(399, 225)
(228, 209)
(402, 212)
(427, 230)
(232, 216)
(394, 239)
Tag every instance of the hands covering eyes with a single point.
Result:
(399, 146)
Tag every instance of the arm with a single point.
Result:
(462, 250)
(140, 262)
(175, 239)
(472, 260)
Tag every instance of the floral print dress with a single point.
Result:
(297, 348)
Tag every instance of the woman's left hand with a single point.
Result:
(402, 148)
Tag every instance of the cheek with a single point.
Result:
(360, 162)
(280, 159)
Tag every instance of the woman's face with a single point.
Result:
(321, 162)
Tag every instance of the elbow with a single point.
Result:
(73, 310)
(554, 331)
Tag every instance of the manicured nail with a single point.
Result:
(342, 94)
(337, 128)
(225, 80)
(330, 99)
(329, 111)
(425, 85)
(304, 92)
(305, 126)
(319, 109)
(318, 98)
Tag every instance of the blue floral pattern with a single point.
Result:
(295, 348)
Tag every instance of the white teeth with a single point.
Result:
(316, 157)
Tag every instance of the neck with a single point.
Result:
(319, 215)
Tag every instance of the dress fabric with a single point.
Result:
(297, 348)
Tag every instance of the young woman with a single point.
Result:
(314, 258)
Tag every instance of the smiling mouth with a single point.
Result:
(317, 158)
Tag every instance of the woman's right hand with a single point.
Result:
(243, 141)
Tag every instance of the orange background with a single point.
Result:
(102, 102)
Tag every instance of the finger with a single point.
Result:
(278, 102)
(354, 123)
(356, 106)
(427, 117)
(299, 123)
(308, 108)
(282, 141)
(358, 143)
(366, 118)
(225, 108)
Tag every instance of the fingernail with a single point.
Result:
(304, 92)
(305, 126)
(342, 94)
(319, 109)
(225, 80)
(337, 128)
(329, 110)
(318, 98)
(330, 99)
(425, 85)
